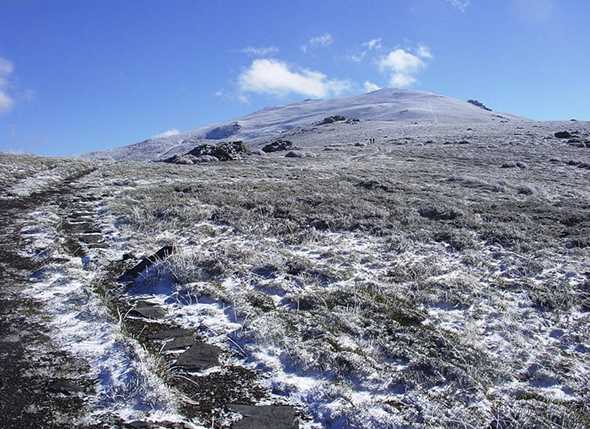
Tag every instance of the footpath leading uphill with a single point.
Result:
(80, 349)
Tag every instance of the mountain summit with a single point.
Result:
(399, 107)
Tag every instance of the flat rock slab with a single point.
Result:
(139, 424)
(90, 238)
(82, 227)
(147, 310)
(265, 417)
(198, 357)
(98, 246)
(167, 334)
(65, 387)
(179, 343)
(78, 215)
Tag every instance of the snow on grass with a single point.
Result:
(251, 308)
(127, 384)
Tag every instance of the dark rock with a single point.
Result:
(332, 119)
(521, 165)
(78, 215)
(131, 274)
(457, 142)
(91, 238)
(64, 387)
(81, 227)
(435, 213)
(265, 417)
(480, 105)
(166, 334)
(277, 146)
(563, 135)
(137, 424)
(98, 245)
(147, 310)
(223, 151)
(198, 357)
(372, 185)
(180, 343)
(509, 165)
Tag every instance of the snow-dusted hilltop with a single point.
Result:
(400, 107)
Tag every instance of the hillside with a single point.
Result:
(393, 109)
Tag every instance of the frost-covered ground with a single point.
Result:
(421, 281)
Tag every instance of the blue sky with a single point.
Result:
(77, 76)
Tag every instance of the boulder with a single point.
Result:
(332, 119)
(479, 104)
(563, 135)
(277, 146)
(228, 151)
(372, 185)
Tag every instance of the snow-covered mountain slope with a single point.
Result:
(397, 107)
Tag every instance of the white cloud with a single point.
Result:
(401, 80)
(423, 51)
(6, 102)
(267, 76)
(370, 86)
(373, 44)
(460, 4)
(368, 46)
(325, 39)
(357, 58)
(402, 66)
(322, 40)
(260, 51)
(167, 133)
(6, 69)
(401, 61)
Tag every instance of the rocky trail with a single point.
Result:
(81, 343)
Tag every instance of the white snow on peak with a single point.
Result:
(396, 106)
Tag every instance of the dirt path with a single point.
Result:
(40, 385)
